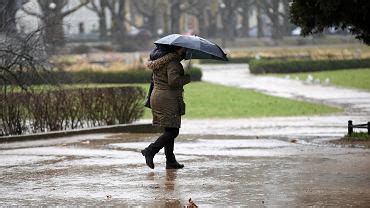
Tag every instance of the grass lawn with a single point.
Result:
(357, 138)
(352, 78)
(206, 100)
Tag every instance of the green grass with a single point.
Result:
(352, 78)
(357, 136)
(206, 100)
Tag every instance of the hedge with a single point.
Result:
(90, 76)
(292, 66)
(129, 76)
(235, 60)
(26, 112)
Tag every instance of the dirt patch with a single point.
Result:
(352, 143)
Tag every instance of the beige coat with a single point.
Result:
(167, 96)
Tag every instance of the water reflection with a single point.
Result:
(150, 176)
(172, 203)
(170, 181)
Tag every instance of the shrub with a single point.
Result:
(106, 48)
(139, 75)
(232, 60)
(129, 76)
(195, 74)
(292, 66)
(80, 49)
(26, 112)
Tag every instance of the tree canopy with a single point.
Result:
(313, 16)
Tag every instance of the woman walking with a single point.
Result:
(166, 101)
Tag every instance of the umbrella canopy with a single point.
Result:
(198, 48)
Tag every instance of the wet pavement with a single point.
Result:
(107, 169)
(355, 102)
(257, 162)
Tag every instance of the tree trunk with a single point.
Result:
(245, 23)
(118, 29)
(103, 20)
(8, 10)
(151, 23)
(166, 28)
(54, 32)
(287, 25)
(202, 24)
(228, 21)
(212, 24)
(275, 20)
(260, 32)
(103, 26)
(175, 16)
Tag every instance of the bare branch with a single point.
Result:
(31, 13)
(68, 12)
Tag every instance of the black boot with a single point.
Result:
(171, 163)
(148, 158)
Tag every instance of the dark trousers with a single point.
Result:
(166, 140)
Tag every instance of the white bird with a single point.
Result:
(327, 81)
(309, 79)
(257, 57)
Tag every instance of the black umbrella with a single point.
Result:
(198, 48)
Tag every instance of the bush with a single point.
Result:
(232, 60)
(139, 75)
(195, 74)
(129, 76)
(80, 49)
(106, 48)
(25, 112)
(292, 66)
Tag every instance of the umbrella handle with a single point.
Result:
(189, 64)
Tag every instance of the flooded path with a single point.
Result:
(107, 169)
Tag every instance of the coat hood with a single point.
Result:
(159, 63)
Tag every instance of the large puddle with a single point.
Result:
(219, 170)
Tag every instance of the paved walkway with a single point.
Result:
(356, 104)
(108, 170)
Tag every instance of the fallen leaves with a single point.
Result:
(191, 204)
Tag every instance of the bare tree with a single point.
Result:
(259, 14)
(245, 12)
(271, 9)
(229, 10)
(8, 10)
(199, 10)
(52, 13)
(175, 14)
(117, 9)
(150, 11)
(287, 25)
(211, 16)
(99, 7)
(22, 58)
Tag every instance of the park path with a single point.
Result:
(356, 105)
(355, 102)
